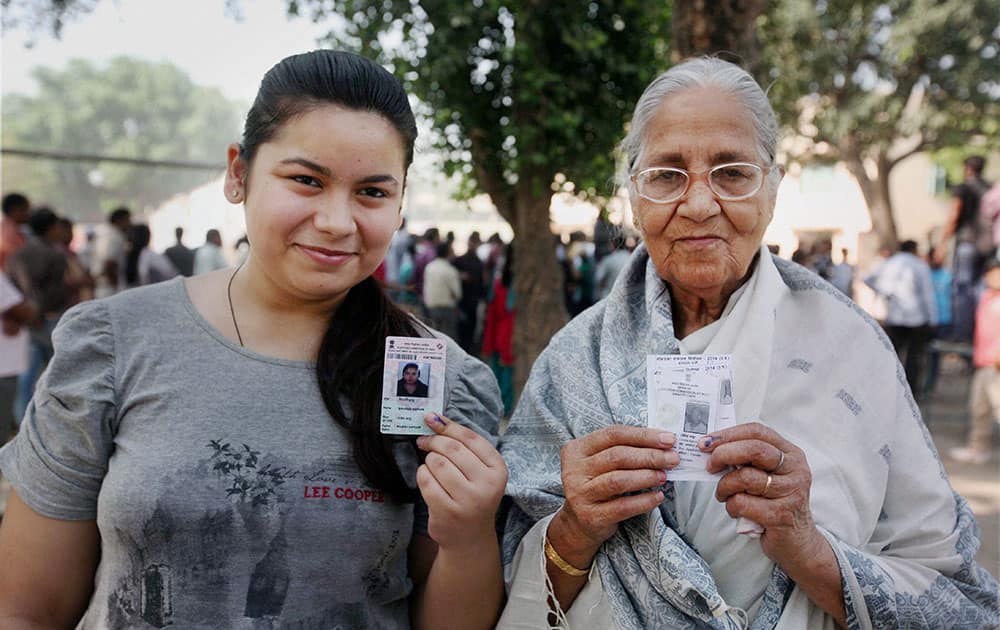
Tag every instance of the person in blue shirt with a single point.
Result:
(941, 278)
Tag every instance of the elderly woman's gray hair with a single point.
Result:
(702, 72)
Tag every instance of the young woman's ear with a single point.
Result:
(236, 174)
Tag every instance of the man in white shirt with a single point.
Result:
(16, 312)
(209, 256)
(107, 264)
(442, 291)
(904, 280)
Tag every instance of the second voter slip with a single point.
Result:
(690, 395)
(412, 383)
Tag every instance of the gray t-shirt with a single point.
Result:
(225, 494)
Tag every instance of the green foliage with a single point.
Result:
(514, 87)
(130, 108)
(41, 15)
(951, 160)
(886, 77)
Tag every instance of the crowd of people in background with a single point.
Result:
(936, 300)
(933, 307)
(468, 297)
(468, 294)
(42, 275)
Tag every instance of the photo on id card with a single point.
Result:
(412, 383)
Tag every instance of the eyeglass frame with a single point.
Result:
(764, 170)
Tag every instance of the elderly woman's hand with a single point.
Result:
(770, 487)
(608, 476)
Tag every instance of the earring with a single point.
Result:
(235, 193)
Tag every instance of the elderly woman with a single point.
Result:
(829, 457)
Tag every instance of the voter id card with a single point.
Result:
(412, 383)
(691, 396)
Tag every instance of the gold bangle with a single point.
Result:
(565, 567)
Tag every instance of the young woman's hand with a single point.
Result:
(462, 481)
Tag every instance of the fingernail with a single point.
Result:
(667, 438)
(662, 476)
(707, 441)
(422, 441)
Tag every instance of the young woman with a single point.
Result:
(206, 453)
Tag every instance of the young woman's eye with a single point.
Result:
(305, 179)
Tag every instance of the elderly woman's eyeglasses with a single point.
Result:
(729, 182)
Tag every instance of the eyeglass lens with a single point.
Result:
(726, 181)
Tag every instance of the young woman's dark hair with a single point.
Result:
(301, 83)
(138, 238)
(349, 364)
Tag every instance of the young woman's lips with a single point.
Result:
(325, 256)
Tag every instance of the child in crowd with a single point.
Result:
(984, 403)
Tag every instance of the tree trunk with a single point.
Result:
(876, 194)
(708, 27)
(538, 281)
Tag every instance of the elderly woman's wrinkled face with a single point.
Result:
(700, 243)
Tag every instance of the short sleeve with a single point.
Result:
(472, 396)
(58, 460)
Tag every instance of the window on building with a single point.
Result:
(817, 178)
(937, 182)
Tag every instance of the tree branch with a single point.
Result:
(916, 148)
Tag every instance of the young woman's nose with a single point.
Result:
(334, 214)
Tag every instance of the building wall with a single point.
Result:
(821, 200)
(198, 211)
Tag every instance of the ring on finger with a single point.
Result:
(767, 486)
(781, 462)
